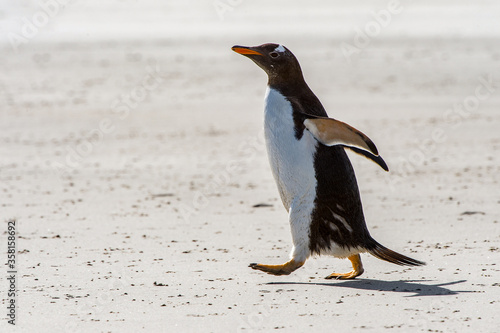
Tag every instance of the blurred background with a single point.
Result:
(153, 70)
(121, 122)
(66, 62)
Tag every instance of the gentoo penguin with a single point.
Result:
(315, 178)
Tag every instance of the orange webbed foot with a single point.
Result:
(357, 269)
(284, 269)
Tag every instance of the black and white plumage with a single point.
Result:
(315, 178)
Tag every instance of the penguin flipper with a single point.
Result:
(331, 132)
(377, 159)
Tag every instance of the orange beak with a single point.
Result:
(244, 50)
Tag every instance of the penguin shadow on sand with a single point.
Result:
(417, 288)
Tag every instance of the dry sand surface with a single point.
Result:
(140, 209)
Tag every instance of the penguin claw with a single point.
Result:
(344, 276)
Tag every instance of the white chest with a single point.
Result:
(292, 160)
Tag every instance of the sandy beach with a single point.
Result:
(133, 162)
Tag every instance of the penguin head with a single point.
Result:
(276, 60)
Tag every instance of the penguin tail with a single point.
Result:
(383, 253)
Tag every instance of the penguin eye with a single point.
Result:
(274, 54)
